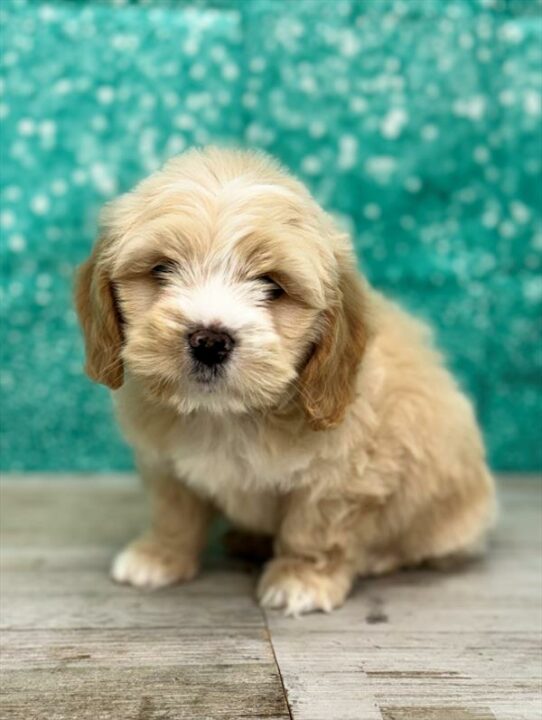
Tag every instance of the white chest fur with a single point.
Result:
(242, 463)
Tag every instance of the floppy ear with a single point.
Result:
(328, 380)
(100, 320)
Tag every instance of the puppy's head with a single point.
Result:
(219, 284)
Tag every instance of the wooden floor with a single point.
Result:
(414, 646)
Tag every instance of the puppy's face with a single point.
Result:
(223, 281)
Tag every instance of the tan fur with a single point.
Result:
(327, 381)
(337, 429)
(98, 316)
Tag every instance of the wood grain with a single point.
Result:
(463, 645)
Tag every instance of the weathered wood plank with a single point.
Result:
(118, 648)
(77, 646)
(437, 713)
(181, 692)
(430, 646)
(423, 645)
(218, 674)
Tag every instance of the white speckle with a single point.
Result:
(358, 105)
(191, 47)
(42, 298)
(392, 125)
(407, 222)
(532, 102)
(147, 101)
(472, 108)
(532, 166)
(197, 71)
(105, 94)
(6, 379)
(79, 176)
(492, 173)
(520, 212)
(175, 144)
(260, 134)
(372, 211)
(467, 195)
(429, 132)
(63, 87)
(47, 128)
(26, 126)
(481, 154)
(466, 41)
(311, 164)
(532, 261)
(532, 290)
(345, 222)
(59, 187)
(349, 43)
(507, 229)
(47, 13)
(230, 71)
(171, 99)
(4, 110)
(413, 184)
(257, 64)
(484, 28)
(223, 97)
(341, 85)
(381, 167)
(486, 263)
(12, 193)
(511, 32)
(392, 65)
(490, 218)
(307, 83)
(82, 84)
(184, 122)
(348, 151)
(250, 100)
(507, 97)
(17, 243)
(317, 129)
(7, 219)
(218, 53)
(98, 123)
(10, 58)
(44, 281)
(40, 204)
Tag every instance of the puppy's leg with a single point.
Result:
(169, 552)
(313, 568)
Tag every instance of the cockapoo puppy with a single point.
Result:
(257, 373)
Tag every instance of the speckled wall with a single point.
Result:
(417, 121)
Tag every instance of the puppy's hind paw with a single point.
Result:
(146, 563)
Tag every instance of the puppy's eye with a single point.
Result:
(273, 289)
(163, 270)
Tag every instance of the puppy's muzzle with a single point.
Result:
(210, 347)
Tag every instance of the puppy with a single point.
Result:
(257, 373)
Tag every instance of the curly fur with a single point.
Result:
(335, 427)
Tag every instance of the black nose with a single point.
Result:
(210, 347)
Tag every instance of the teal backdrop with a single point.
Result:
(418, 122)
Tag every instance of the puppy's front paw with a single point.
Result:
(150, 564)
(297, 587)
